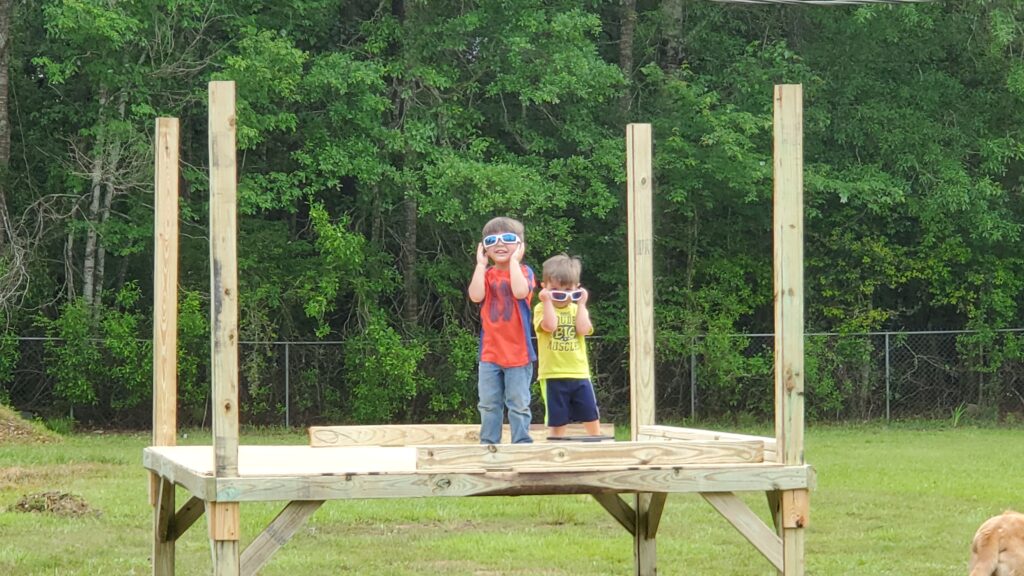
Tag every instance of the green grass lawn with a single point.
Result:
(890, 500)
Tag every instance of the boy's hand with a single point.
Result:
(583, 299)
(481, 257)
(543, 295)
(517, 255)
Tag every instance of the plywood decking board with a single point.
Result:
(269, 473)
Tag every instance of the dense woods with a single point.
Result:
(377, 137)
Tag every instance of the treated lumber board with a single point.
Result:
(653, 432)
(224, 520)
(618, 508)
(186, 517)
(788, 272)
(577, 455)
(276, 534)
(165, 288)
(656, 507)
(421, 434)
(223, 277)
(163, 517)
(749, 524)
(394, 435)
(158, 461)
(710, 478)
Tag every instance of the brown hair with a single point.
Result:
(563, 269)
(505, 224)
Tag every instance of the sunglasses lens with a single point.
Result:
(490, 241)
(576, 295)
(509, 238)
(558, 296)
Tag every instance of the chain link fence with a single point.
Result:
(866, 376)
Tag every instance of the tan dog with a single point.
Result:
(998, 547)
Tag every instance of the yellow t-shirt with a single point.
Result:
(561, 353)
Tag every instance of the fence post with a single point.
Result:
(887, 394)
(287, 392)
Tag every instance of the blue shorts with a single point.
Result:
(570, 400)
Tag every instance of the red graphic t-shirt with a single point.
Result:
(505, 334)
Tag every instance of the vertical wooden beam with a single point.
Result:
(639, 182)
(788, 258)
(224, 518)
(165, 331)
(163, 520)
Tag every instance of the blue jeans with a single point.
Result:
(500, 388)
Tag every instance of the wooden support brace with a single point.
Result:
(186, 517)
(619, 510)
(276, 534)
(767, 542)
(654, 513)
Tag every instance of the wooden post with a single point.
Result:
(165, 329)
(224, 517)
(788, 255)
(641, 327)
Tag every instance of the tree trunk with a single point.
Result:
(673, 32)
(92, 218)
(626, 53)
(6, 7)
(108, 201)
(410, 207)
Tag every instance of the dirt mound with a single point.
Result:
(14, 428)
(57, 503)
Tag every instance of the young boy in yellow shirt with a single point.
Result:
(562, 320)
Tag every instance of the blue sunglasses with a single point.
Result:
(563, 295)
(506, 238)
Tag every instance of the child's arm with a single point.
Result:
(477, 288)
(520, 286)
(549, 320)
(583, 325)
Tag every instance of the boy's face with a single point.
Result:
(500, 247)
(561, 292)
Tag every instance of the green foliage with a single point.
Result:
(382, 372)
(101, 359)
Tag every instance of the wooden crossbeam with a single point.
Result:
(584, 455)
(423, 434)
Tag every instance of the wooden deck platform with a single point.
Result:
(270, 473)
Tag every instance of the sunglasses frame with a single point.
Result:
(566, 295)
(501, 238)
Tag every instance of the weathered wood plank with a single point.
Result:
(422, 434)
(555, 456)
(223, 277)
(654, 432)
(276, 534)
(711, 478)
(749, 524)
(618, 508)
(164, 465)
